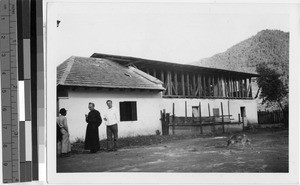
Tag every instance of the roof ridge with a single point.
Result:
(70, 63)
(145, 75)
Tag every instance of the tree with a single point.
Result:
(270, 85)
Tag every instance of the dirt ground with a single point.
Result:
(200, 154)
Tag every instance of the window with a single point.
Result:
(216, 112)
(195, 111)
(243, 112)
(128, 111)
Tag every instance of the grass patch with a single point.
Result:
(137, 141)
(78, 145)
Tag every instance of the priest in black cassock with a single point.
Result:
(94, 120)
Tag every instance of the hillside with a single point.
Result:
(269, 46)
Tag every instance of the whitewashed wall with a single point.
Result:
(234, 106)
(149, 105)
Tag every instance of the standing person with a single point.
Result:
(61, 121)
(94, 120)
(111, 121)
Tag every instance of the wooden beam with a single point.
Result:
(234, 88)
(162, 76)
(194, 88)
(173, 122)
(169, 85)
(218, 86)
(185, 118)
(188, 84)
(182, 84)
(225, 86)
(208, 110)
(204, 86)
(176, 83)
(250, 87)
(223, 126)
(154, 73)
(199, 86)
(228, 109)
(229, 87)
(209, 85)
(245, 87)
(200, 118)
(241, 88)
(213, 85)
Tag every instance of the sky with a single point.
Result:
(173, 32)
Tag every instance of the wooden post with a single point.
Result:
(226, 87)
(167, 123)
(222, 118)
(218, 86)
(173, 120)
(214, 128)
(199, 86)
(250, 88)
(154, 73)
(195, 85)
(234, 88)
(228, 109)
(169, 85)
(204, 86)
(176, 83)
(185, 118)
(182, 84)
(213, 86)
(188, 84)
(245, 87)
(208, 110)
(209, 86)
(223, 87)
(163, 121)
(230, 87)
(162, 76)
(200, 119)
(240, 88)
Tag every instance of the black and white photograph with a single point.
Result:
(169, 87)
(150, 92)
(147, 88)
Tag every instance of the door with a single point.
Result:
(243, 116)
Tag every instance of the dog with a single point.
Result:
(242, 138)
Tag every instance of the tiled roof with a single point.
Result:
(94, 72)
(142, 64)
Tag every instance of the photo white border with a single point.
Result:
(174, 178)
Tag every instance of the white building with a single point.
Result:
(141, 88)
(134, 93)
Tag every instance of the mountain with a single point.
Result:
(268, 46)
